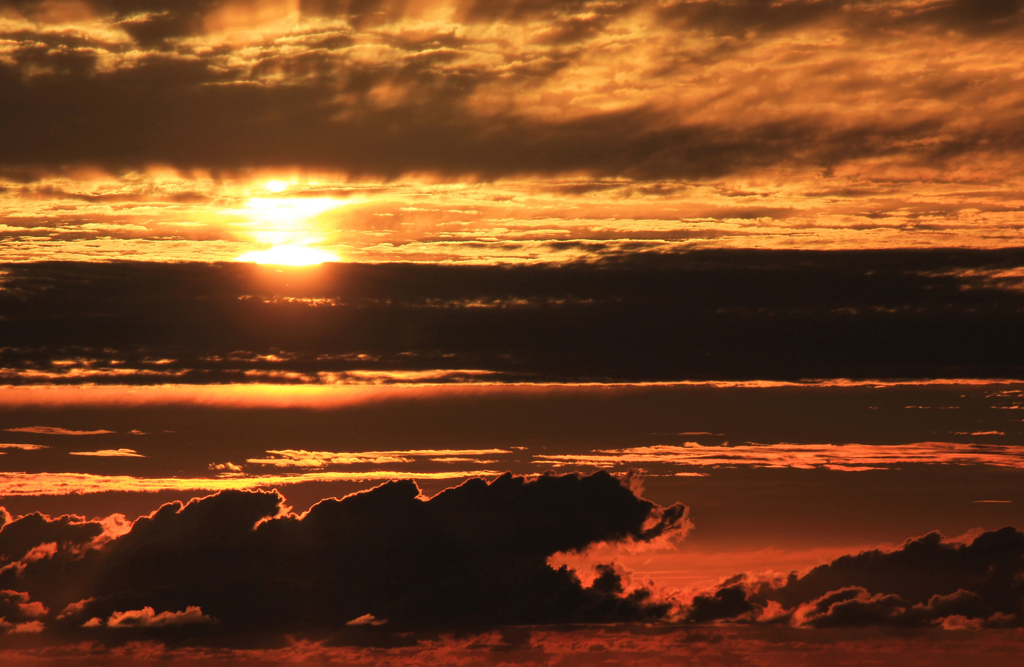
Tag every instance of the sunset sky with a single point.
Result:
(493, 332)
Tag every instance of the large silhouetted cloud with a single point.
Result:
(926, 582)
(238, 563)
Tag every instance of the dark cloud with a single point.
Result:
(972, 16)
(203, 110)
(197, 113)
(165, 110)
(735, 315)
(746, 18)
(728, 602)
(739, 17)
(470, 558)
(921, 584)
(18, 537)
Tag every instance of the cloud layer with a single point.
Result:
(710, 315)
(238, 563)
(474, 131)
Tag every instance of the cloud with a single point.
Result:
(901, 314)
(809, 123)
(228, 466)
(292, 458)
(147, 618)
(461, 100)
(848, 457)
(109, 452)
(367, 619)
(469, 558)
(55, 430)
(927, 582)
(69, 532)
(63, 483)
(744, 18)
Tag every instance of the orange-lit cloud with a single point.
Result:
(58, 483)
(292, 458)
(333, 396)
(54, 430)
(534, 131)
(147, 618)
(109, 452)
(849, 457)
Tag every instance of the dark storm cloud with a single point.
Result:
(925, 582)
(467, 559)
(703, 315)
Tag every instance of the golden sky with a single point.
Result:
(615, 331)
(523, 131)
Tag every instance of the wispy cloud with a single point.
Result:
(109, 452)
(55, 430)
(847, 457)
(36, 484)
(297, 458)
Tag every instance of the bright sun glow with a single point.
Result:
(276, 186)
(287, 210)
(290, 255)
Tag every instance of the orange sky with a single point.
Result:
(474, 131)
(688, 296)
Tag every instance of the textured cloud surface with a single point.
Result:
(239, 563)
(478, 131)
(926, 582)
(712, 315)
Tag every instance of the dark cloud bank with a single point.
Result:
(236, 565)
(925, 582)
(384, 567)
(702, 315)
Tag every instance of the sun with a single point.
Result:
(290, 255)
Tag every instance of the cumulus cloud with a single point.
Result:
(18, 537)
(471, 557)
(927, 582)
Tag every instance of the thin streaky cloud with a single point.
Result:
(109, 452)
(843, 457)
(56, 430)
(285, 458)
(47, 483)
